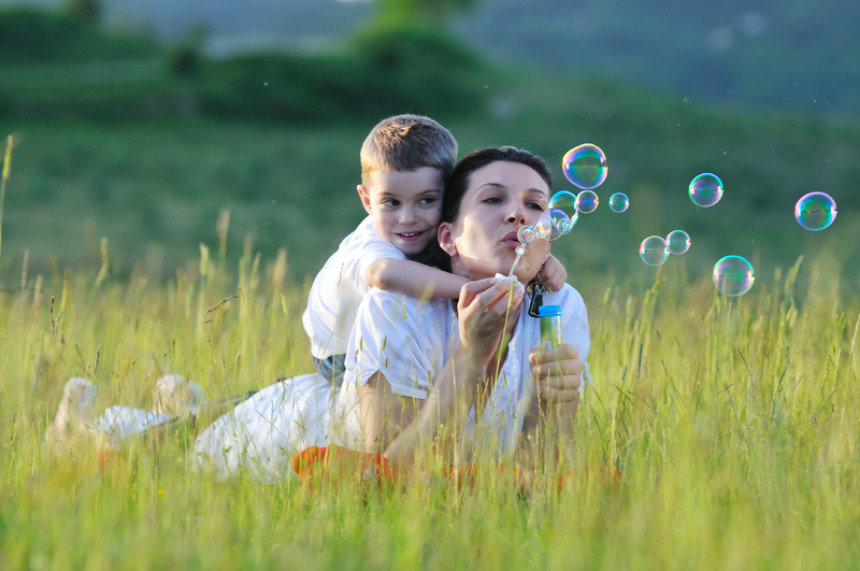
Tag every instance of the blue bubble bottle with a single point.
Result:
(550, 326)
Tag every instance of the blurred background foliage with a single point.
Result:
(143, 134)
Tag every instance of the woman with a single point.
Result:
(460, 377)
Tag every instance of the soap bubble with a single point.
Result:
(619, 202)
(706, 190)
(526, 234)
(566, 225)
(553, 224)
(543, 229)
(560, 223)
(815, 211)
(733, 276)
(520, 250)
(585, 166)
(654, 250)
(587, 201)
(678, 242)
(565, 200)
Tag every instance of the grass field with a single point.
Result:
(734, 423)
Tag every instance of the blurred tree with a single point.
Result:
(86, 11)
(186, 57)
(431, 11)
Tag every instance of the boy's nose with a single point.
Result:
(407, 215)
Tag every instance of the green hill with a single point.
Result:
(156, 190)
(149, 162)
(797, 56)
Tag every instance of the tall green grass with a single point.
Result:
(734, 422)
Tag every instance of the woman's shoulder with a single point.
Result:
(394, 315)
(401, 307)
(567, 296)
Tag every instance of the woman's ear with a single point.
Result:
(446, 239)
(364, 194)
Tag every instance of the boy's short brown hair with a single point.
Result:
(406, 143)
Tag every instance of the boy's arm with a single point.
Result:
(414, 279)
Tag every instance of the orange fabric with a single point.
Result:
(337, 464)
(108, 457)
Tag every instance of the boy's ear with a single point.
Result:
(446, 239)
(364, 194)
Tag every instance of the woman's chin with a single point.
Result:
(522, 272)
(525, 277)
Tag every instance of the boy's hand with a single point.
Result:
(554, 274)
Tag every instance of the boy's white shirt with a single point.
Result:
(339, 287)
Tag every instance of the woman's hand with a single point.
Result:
(485, 308)
(557, 373)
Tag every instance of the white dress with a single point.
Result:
(407, 340)
(119, 423)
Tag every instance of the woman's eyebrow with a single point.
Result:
(543, 193)
(491, 185)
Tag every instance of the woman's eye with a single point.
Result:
(535, 206)
(493, 200)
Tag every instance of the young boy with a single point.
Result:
(405, 161)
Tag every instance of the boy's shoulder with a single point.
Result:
(362, 247)
(365, 235)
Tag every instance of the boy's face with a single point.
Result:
(405, 206)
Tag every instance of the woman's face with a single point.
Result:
(501, 197)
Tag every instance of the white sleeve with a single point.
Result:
(340, 286)
(368, 247)
(400, 337)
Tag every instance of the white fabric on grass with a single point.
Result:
(262, 433)
(122, 422)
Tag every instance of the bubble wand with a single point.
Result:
(553, 224)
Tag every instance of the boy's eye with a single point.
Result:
(390, 203)
(427, 200)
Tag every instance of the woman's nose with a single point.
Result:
(517, 215)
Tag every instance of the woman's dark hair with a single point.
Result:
(458, 182)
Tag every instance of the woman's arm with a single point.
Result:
(547, 438)
(399, 426)
(384, 414)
